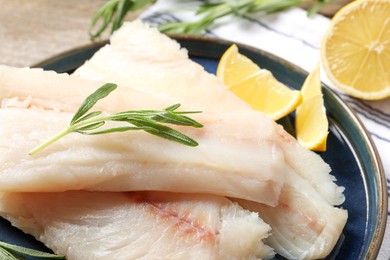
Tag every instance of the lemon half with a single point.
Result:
(355, 51)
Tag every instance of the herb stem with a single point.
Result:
(65, 132)
(53, 139)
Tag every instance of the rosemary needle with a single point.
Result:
(152, 121)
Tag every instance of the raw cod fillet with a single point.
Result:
(230, 160)
(305, 223)
(138, 225)
(136, 160)
(139, 57)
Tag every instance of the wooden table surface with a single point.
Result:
(32, 31)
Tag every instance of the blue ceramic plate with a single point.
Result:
(350, 153)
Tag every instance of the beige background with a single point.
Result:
(33, 30)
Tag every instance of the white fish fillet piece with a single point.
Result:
(153, 62)
(304, 225)
(35, 88)
(138, 225)
(140, 57)
(228, 160)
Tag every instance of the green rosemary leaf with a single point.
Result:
(200, 27)
(101, 12)
(173, 28)
(318, 5)
(89, 127)
(172, 135)
(139, 4)
(125, 6)
(88, 116)
(172, 108)
(27, 251)
(105, 13)
(163, 131)
(168, 115)
(91, 100)
(171, 118)
(191, 122)
(203, 8)
(116, 129)
(120, 13)
(114, 11)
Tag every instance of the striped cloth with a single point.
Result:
(295, 37)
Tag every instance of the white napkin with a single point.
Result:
(295, 37)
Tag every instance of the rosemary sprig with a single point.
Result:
(114, 11)
(151, 121)
(13, 252)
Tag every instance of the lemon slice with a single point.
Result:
(311, 123)
(256, 86)
(355, 50)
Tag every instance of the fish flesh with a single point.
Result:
(140, 57)
(138, 225)
(48, 90)
(236, 156)
(227, 162)
(144, 59)
(305, 223)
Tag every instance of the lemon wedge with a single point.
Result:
(256, 86)
(311, 123)
(235, 67)
(355, 50)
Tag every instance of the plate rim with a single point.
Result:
(380, 177)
